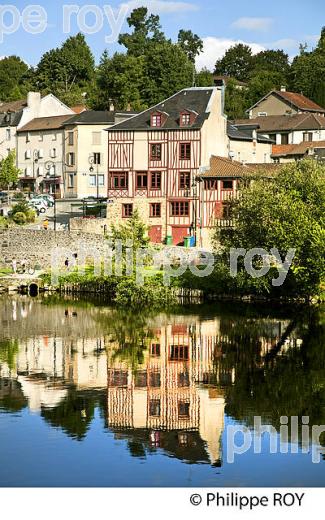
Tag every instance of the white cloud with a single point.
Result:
(214, 48)
(284, 43)
(162, 6)
(253, 24)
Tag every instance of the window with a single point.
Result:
(97, 138)
(28, 154)
(155, 379)
(155, 209)
(119, 180)
(53, 153)
(92, 180)
(70, 180)
(156, 152)
(262, 114)
(70, 159)
(54, 137)
(185, 151)
(142, 180)
(184, 180)
(154, 407)
(70, 138)
(40, 137)
(227, 185)
(156, 180)
(141, 379)
(101, 180)
(183, 379)
(180, 209)
(8, 134)
(284, 138)
(308, 136)
(185, 119)
(97, 158)
(178, 352)
(226, 211)
(155, 349)
(127, 210)
(27, 137)
(183, 409)
(156, 120)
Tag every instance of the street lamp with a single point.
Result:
(91, 161)
(35, 161)
(191, 192)
(48, 166)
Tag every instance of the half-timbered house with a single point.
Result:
(154, 159)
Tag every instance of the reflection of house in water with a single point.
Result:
(47, 366)
(165, 401)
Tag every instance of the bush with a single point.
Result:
(19, 218)
(30, 216)
(3, 222)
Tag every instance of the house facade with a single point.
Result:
(281, 102)
(16, 114)
(155, 158)
(86, 153)
(40, 155)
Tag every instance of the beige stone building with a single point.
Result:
(281, 102)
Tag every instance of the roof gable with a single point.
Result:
(293, 99)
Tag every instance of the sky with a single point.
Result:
(277, 24)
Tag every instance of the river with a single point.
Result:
(95, 396)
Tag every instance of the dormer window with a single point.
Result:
(156, 120)
(185, 119)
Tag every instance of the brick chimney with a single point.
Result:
(34, 101)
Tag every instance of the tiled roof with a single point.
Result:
(45, 123)
(296, 149)
(196, 99)
(224, 167)
(299, 101)
(274, 124)
(97, 117)
(13, 106)
(79, 108)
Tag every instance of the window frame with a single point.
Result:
(229, 181)
(185, 151)
(127, 206)
(153, 207)
(156, 157)
(142, 185)
(119, 176)
(158, 180)
(182, 178)
(185, 212)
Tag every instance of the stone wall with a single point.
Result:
(36, 246)
(97, 226)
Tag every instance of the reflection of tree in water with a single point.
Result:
(129, 336)
(9, 349)
(290, 384)
(75, 413)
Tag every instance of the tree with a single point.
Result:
(236, 63)
(166, 71)
(66, 71)
(12, 71)
(204, 78)
(8, 171)
(273, 61)
(236, 100)
(285, 212)
(119, 80)
(262, 83)
(307, 74)
(133, 230)
(145, 28)
(191, 44)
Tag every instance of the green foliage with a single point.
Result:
(9, 349)
(12, 72)
(3, 222)
(285, 212)
(19, 218)
(66, 71)
(236, 63)
(134, 229)
(204, 78)
(146, 28)
(307, 72)
(191, 44)
(8, 171)
(236, 100)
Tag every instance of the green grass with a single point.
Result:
(4, 271)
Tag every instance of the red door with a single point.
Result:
(178, 233)
(155, 234)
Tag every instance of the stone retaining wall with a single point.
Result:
(36, 246)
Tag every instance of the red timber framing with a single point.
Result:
(165, 168)
(214, 195)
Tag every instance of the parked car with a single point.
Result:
(38, 205)
(48, 199)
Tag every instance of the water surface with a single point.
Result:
(95, 396)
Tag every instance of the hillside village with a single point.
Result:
(179, 163)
